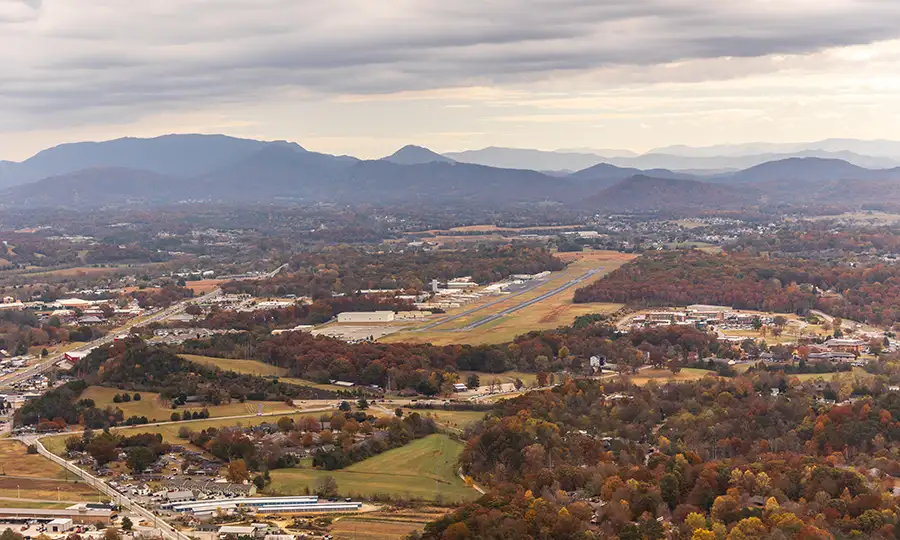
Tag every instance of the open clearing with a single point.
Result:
(47, 490)
(247, 367)
(16, 461)
(384, 524)
(31, 476)
(555, 311)
(255, 367)
(19, 503)
(663, 376)
(152, 406)
(169, 430)
(456, 420)
(413, 471)
(203, 286)
(495, 229)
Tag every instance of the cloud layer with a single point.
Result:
(68, 63)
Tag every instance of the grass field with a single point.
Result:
(558, 310)
(152, 407)
(530, 379)
(663, 376)
(247, 367)
(384, 524)
(16, 461)
(255, 367)
(169, 430)
(203, 286)
(413, 471)
(457, 420)
(18, 503)
(34, 477)
(856, 372)
(47, 490)
(496, 229)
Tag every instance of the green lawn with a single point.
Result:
(152, 407)
(255, 367)
(247, 367)
(169, 430)
(407, 472)
(452, 419)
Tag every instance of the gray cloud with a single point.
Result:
(116, 60)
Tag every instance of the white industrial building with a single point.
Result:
(60, 525)
(366, 317)
(264, 505)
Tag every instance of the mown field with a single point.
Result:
(169, 430)
(255, 367)
(663, 376)
(384, 524)
(558, 310)
(31, 476)
(456, 420)
(425, 469)
(153, 407)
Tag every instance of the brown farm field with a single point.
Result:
(384, 524)
(31, 476)
(663, 376)
(552, 312)
(16, 461)
(203, 286)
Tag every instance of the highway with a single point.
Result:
(587, 275)
(117, 498)
(47, 364)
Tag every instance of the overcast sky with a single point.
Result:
(364, 77)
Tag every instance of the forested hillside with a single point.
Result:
(867, 293)
(714, 458)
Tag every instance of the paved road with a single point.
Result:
(587, 275)
(120, 499)
(48, 363)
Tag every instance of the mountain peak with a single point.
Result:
(416, 155)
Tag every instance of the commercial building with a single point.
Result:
(79, 513)
(846, 345)
(60, 525)
(264, 505)
(366, 317)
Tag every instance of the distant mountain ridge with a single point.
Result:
(178, 168)
(173, 155)
(416, 155)
(643, 193)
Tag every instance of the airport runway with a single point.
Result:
(587, 275)
(529, 286)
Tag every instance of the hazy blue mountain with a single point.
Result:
(520, 158)
(873, 148)
(114, 186)
(284, 172)
(809, 170)
(172, 155)
(731, 163)
(643, 193)
(414, 155)
(606, 152)
(683, 158)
